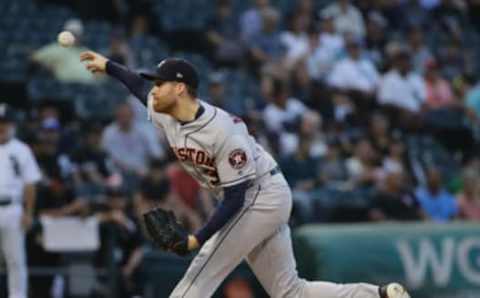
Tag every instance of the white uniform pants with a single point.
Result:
(12, 248)
(260, 234)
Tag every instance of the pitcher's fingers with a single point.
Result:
(91, 67)
(88, 55)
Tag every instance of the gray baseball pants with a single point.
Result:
(260, 234)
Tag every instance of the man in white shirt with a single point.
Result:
(63, 61)
(354, 73)
(251, 21)
(282, 116)
(326, 48)
(19, 174)
(401, 87)
(295, 40)
(347, 18)
(128, 144)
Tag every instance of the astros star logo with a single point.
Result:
(237, 158)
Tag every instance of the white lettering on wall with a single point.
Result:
(416, 268)
(465, 247)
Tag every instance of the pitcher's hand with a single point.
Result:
(95, 62)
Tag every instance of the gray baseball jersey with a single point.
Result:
(217, 151)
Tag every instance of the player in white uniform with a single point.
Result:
(18, 174)
(251, 222)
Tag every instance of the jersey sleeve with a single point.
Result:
(30, 171)
(235, 160)
(134, 82)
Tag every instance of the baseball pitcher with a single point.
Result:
(250, 223)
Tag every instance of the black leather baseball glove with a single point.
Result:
(165, 231)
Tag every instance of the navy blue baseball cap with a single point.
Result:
(174, 70)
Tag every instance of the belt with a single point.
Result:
(4, 203)
(276, 170)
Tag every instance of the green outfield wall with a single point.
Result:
(432, 260)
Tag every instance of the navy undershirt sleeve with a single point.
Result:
(137, 85)
(234, 197)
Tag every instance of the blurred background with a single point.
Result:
(371, 108)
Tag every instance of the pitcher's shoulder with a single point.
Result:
(228, 124)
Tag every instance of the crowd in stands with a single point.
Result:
(371, 108)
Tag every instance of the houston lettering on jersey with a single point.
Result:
(201, 160)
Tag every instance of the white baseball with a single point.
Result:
(66, 39)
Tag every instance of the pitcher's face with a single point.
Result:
(164, 96)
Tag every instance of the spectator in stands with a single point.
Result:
(379, 133)
(421, 54)
(50, 114)
(295, 40)
(412, 13)
(140, 13)
(155, 191)
(346, 17)
(449, 17)
(306, 10)
(437, 203)
(266, 47)
(93, 166)
(439, 94)
(455, 59)
(401, 88)
(251, 21)
(394, 202)
(216, 90)
(332, 169)
(472, 100)
(354, 73)
(119, 50)
(119, 221)
(140, 27)
(469, 198)
(343, 107)
(311, 129)
(324, 48)
(217, 94)
(300, 167)
(300, 170)
(56, 165)
(63, 62)
(129, 146)
(363, 167)
(375, 39)
(282, 117)
(330, 39)
(395, 161)
(225, 45)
